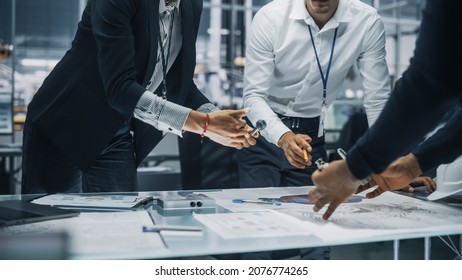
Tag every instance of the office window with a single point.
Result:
(40, 32)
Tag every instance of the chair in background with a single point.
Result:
(154, 175)
(207, 165)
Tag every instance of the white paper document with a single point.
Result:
(109, 201)
(115, 232)
(100, 233)
(387, 214)
(253, 224)
(225, 198)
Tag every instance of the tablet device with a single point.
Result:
(14, 212)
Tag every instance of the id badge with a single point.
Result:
(322, 118)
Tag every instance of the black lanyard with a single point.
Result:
(324, 78)
(162, 54)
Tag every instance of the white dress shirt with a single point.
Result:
(152, 109)
(281, 73)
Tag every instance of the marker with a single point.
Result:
(305, 155)
(240, 200)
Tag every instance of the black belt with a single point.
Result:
(295, 123)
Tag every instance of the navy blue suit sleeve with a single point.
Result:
(114, 36)
(442, 147)
(426, 91)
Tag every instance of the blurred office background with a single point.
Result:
(35, 34)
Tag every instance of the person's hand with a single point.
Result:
(233, 142)
(399, 174)
(228, 123)
(293, 145)
(226, 127)
(425, 181)
(334, 184)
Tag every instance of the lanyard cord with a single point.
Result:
(162, 54)
(324, 79)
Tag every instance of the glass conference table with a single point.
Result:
(233, 223)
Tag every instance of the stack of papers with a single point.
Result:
(106, 201)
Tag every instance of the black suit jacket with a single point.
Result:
(93, 90)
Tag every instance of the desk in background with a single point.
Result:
(161, 178)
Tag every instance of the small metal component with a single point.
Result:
(321, 164)
(341, 152)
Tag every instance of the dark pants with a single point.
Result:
(45, 170)
(265, 165)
